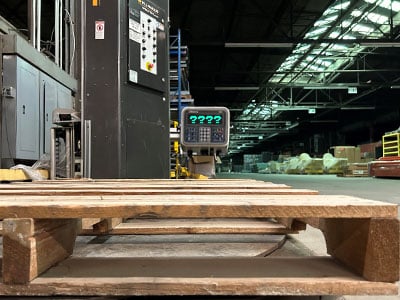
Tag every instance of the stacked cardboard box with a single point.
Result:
(352, 153)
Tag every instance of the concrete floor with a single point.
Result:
(381, 189)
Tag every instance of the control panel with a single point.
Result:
(148, 55)
(148, 49)
(205, 129)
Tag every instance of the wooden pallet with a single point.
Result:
(356, 170)
(146, 224)
(39, 231)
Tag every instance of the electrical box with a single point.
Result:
(205, 130)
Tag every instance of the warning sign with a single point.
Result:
(99, 30)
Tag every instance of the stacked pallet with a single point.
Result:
(356, 170)
(40, 228)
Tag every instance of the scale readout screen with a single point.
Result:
(205, 127)
(205, 118)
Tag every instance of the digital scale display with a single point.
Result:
(209, 119)
(205, 128)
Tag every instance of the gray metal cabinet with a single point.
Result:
(27, 109)
(20, 109)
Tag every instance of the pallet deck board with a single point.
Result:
(140, 191)
(200, 276)
(197, 226)
(138, 185)
(194, 206)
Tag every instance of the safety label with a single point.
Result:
(99, 30)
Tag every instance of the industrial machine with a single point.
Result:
(125, 92)
(204, 137)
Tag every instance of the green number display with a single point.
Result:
(205, 119)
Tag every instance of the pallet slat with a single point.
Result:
(140, 191)
(200, 276)
(198, 206)
(196, 226)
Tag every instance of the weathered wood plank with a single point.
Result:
(140, 191)
(292, 224)
(143, 185)
(370, 247)
(199, 276)
(106, 225)
(147, 180)
(196, 226)
(197, 206)
(31, 246)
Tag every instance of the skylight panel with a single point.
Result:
(356, 13)
(341, 6)
(346, 24)
(334, 35)
(316, 68)
(388, 4)
(377, 18)
(301, 48)
(323, 22)
(348, 37)
(325, 63)
(362, 29)
(316, 32)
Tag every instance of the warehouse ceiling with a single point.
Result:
(292, 72)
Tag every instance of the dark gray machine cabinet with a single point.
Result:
(28, 102)
(126, 88)
(20, 111)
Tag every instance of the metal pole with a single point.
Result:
(179, 78)
(88, 158)
(72, 151)
(38, 23)
(67, 33)
(1, 100)
(84, 125)
(53, 153)
(68, 152)
(32, 22)
(61, 33)
(57, 32)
